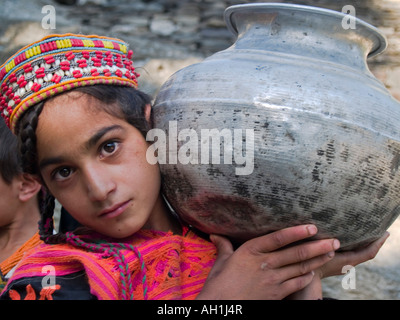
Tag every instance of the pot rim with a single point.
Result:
(380, 44)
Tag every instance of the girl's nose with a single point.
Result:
(99, 183)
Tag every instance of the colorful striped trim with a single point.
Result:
(175, 266)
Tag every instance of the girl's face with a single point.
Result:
(95, 165)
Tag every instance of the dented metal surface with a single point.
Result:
(326, 132)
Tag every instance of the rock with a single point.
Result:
(162, 25)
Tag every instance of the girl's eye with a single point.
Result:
(62, 173)
(109, 148)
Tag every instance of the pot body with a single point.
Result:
(287, 126)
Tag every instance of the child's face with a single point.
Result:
(95, 165)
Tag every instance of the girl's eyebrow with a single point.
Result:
(99, 134)
(89, 144)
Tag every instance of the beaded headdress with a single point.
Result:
(59, 63)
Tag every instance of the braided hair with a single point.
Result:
(123, 102)
(27, 147)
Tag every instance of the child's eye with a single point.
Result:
(109, 148)
(62, 173)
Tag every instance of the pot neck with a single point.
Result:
(305, 32)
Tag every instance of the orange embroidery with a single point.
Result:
(12, 261)
(46, 293)
(30, 294)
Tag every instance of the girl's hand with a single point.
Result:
(334, 267)
(264, 267)
(353, 258)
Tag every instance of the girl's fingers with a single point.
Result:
(281, 238)
(304, 267)
(302, 252)
(296, 284)
(353, 258)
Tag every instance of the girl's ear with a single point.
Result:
(147, 113)
(29, 187)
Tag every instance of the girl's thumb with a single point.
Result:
(224, 246)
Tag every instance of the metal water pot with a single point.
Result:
(287, 126)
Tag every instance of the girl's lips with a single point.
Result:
(115, 210)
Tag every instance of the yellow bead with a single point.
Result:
(10, 65)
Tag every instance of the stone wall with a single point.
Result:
(169, 34)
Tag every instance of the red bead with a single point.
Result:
(20, 79)
(53, 45)
(2, 73)
(42, 47)
(28, 69)
(40, 73)
(49, 59)
(77, 74)
(107, 72)
(116, 46)
(36, 87)
(12, 78)
(86, 54)
(98, 43)
(70, 55)
(56, 78)
(65, 65)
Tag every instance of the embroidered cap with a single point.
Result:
(59, 63)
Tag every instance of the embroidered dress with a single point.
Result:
(148, 265)
(7, 266)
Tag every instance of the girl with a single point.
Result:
(73, 103)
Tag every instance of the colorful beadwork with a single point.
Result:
(59, 63)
